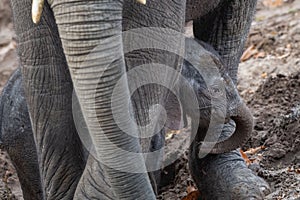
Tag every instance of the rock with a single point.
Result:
(277, 151)
(271, 140)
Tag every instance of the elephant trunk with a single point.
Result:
(244, 125)
(91, 34)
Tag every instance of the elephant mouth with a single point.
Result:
(244, 125)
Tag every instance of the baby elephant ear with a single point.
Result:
(176, 118)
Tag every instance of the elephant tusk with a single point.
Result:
(36, 11)
(141, 2)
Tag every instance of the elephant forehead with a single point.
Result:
(199, 61)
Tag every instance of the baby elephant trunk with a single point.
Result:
(244, 125)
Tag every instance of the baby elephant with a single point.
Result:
(209, 97)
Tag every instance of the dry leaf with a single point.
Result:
(245, 157)
(250, 51)
(292, 169)
(272, 3)
(264, 75)
(195, 195)
(255, 150)
(261, 54)
(171, 133)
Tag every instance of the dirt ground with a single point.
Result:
(269, 81)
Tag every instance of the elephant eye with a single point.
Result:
(216, 92)
(216, 89)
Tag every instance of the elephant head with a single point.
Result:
(217, 100)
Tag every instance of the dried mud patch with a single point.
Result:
(276, 108)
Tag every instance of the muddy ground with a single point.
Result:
(269, 81)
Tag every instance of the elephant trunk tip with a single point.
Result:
(244, 126)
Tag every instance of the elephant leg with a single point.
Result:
(94, 175)
(165, 16)
(226, 176)
(94, 183)
(48, 90)
(226, 29)
(16, 137)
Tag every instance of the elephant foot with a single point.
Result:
(226, 176)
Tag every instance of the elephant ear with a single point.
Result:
(213, 54)
(10, 105)
(176, 117)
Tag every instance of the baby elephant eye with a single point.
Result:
(216, 89)
(215, 92)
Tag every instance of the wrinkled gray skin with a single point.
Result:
(47, 50)
(18, 138)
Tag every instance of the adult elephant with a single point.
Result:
(48, 48)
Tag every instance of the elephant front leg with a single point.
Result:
(226, 29)
(153, 63)
(48, 90)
